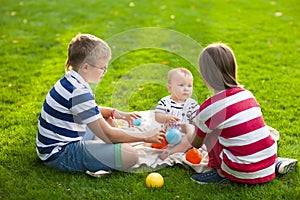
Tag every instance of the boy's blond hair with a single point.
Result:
(185, 72)
(86, 48)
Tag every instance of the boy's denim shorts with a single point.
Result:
(90, 155)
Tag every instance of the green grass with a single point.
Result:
(34, 38)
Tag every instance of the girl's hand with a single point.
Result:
(186, 128)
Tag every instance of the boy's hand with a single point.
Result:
(155, 136)
(127, 116)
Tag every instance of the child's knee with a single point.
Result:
(129, 156)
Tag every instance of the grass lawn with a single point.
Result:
(34, 35)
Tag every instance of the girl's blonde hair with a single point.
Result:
(218, 66)
(86, 48)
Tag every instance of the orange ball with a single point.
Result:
(193, 156)
(160, 146)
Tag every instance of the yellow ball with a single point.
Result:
(120, 123)
(154, 180)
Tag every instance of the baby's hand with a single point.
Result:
(171, 119)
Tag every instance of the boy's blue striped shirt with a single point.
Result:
(68, 107)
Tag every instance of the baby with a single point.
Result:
(178, 107)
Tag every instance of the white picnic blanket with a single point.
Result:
(149, 156)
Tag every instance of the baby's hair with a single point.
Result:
(218, 66)
(185, 72)
(86, 48)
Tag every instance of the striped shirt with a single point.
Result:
(68, 107)
(186, 111)
(245, 150)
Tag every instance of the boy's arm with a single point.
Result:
(115, 135)
(105, 111)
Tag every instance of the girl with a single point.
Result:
(230, 124)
